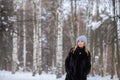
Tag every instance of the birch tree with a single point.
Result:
(34, 50)
(118, 40)
(116, 12)
(73, 22)
(92, 39)
(19, 24)
(53, 33)
(24, 36)
(37, 59)
(59, 40)
(15, 61)
(39, 56)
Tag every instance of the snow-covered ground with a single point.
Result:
(5, 75)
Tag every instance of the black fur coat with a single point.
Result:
(77, 64)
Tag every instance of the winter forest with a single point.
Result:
(36, 36)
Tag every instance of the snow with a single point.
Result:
(36, 1)
(96, 57)
(102, 78)
(118, 24)
(12, 19)
(94, 9)
(17, 4)
(2, 6)
(104, 17)
(66, 8)
(5, 75)
(4, 23)
(95, 25)
(2, 18)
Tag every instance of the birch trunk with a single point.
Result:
(34, 51)
(34, 43)
(37, 59)
(72, 27)
(118, 44)
(24, 38)
(105, 59)
(15, 61)
(92, 40)
(59, 41)
(14, 52)
(115, 39)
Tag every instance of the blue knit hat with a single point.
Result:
(82, 38)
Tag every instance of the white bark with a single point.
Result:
(34, 50)
(37, 39)
(104, 59)
(14, 51)
(24, 37)
(34, 45)
(59, 41)
(39, 57)
(15, 60)
(72, 26)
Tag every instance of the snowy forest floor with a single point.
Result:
(5, 75)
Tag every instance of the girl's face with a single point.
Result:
(81, 44)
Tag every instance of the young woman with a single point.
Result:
(77, 63)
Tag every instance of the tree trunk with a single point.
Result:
(15, 51)
(116, 35)
(24, 38)
(37, 51)
(112, 60)
(92, 51)
(72, 25)
(59, 41)
(117, 44)
(35, 43)
(101, 51)
(39, 56)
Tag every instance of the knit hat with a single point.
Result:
(82, 38)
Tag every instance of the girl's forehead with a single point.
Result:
(80, 40)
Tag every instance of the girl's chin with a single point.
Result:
(80, 46)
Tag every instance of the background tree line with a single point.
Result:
(36, 35)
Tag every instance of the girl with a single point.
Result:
(77, 63)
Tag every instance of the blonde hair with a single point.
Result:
(86, 49)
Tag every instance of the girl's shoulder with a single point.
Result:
(71, 51)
